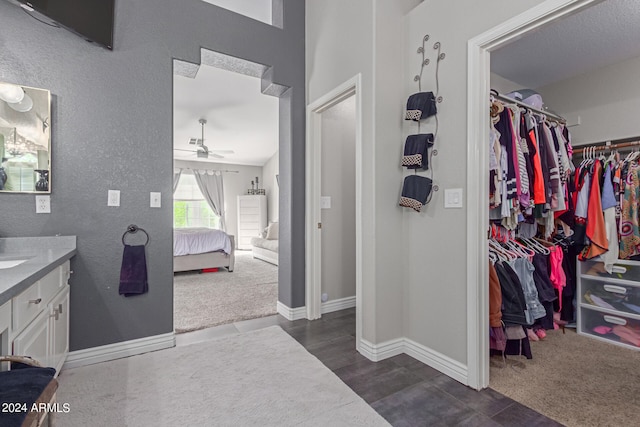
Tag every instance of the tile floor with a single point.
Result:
(401, 389)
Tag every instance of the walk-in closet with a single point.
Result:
(564, 209)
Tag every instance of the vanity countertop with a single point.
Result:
(42, 254)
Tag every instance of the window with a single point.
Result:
(190, 209)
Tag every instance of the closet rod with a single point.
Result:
(548, 114)
(579, 150)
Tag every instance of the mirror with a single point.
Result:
(25, 139)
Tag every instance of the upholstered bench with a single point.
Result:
(27, 393)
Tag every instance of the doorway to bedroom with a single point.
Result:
(226, 197)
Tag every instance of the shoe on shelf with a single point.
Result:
(541, 333)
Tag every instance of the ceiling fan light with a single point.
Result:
(11, 93)
(23, 106)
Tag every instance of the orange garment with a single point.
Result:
(596, 229)
(495, 298)
(539, 195)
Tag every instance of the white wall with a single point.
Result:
(433, 241)
(339, 45)
(269, 172)
(339, 182)
(414, 281)
(607, 101)
(503, 85)
(343, 39)
(235, 184)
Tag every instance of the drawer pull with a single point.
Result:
(615, 320)
(615, 289)
(55, 314)
(35, 301)
(618, 269)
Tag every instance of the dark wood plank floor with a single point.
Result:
(401, 389)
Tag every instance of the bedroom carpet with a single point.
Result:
(261, 378)
(211, 299)
(573, 379)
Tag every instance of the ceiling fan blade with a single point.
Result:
(222, 151)
(217, 156)
(183, 149)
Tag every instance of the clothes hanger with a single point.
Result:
(500, 251)
(611, 157)
(513, 255)
(535, 246)
(542, 248)
(493, 257)
(522, 250)
(548, 245)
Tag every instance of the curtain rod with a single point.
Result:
(603, 146)
(210, 170)
(497, 95)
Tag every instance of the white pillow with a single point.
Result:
(272, 231)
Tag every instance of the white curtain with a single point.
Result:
(213, 192)
(176, 179)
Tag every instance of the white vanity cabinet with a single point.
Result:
(40, 319)
(5, 328)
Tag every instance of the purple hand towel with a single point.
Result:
(133, 274)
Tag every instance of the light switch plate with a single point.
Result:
(155, 199)
(114, 198)
(325, 202)
(43, 204)
(453, 198)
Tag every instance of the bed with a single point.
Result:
(201, 248)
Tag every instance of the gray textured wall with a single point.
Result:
(111, 123)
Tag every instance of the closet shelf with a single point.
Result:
(548, 114)
(608, 145)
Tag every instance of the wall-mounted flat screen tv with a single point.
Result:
(91, 19)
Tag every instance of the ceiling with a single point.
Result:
(601, 35)
(239, 117)
(259, 10)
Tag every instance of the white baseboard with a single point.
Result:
(119, 350)
(338, 304)
(378, 352)
(452, 368)
(438, 361)
(291, 313)
(327, 307)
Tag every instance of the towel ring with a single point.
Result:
(134, 229)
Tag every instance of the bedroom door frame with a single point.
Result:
(313, 172)
(478, 84)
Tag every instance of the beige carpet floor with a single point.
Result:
(259, 378)
(210, 299)
(575, 380)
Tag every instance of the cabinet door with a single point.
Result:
(34, 340)
(59, 328)
(5, 330)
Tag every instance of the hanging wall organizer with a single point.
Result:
(418, 148)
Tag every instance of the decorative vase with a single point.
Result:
(3, 178)
(43, 181)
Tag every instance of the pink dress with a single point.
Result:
(557, 276)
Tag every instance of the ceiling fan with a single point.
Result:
(202, 151)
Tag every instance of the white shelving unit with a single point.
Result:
(252, 219)
(617, 287)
